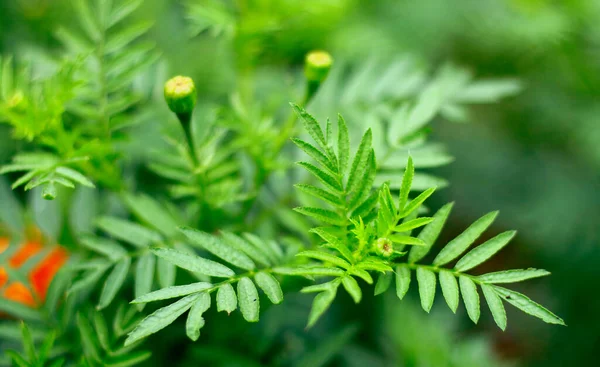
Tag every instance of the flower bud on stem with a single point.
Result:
(180, 95)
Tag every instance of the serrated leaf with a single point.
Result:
(152, 213)
(321, 194)
(430, 233)
(407, 178)
(512, 276)
(333, 242)
(270, 286)
(118, 41)
(383, 283)
(459, 244)
(226, 298)
(362, 201)
(528, 306)
(495, 304)
(416, 202)
(122, 10)
(324, 177)
(484, 251)
(326, 257)
(320, 304)
(360, 162)
(218, 248)
(242, 245)
(144, 275)
(412, 224)
(470, 297)
(315, 154)
(248, 299)
(402, 280)
(73, 175)
(103, 246)
(128, 231)
(114, 282)
(195, 321)
(309, 271)
(193, 263)
(127, 360)
(323, 215)
(88, 339)
(166, 273)
(362, 274)
(343, 145)
(311, 125)
(406, 240)
(352, 287)
(160, 319)
(172, 292)
(426, 280)
(449, 287)
(87, 20)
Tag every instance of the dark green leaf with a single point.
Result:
(248, 299)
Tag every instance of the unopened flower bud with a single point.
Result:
(317, 66)
(49, 191)
(180, 94)
(384, 247)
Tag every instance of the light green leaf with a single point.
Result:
(242, 245)
(427, 282)
(193, 263)
(144, 275)
(459, 244)
(326, 257)
(226, 299)
(88, 338)
(321, 194)
(218, 248)
(167, 272)
(470, 297)
(161, 318)
(122, 10)
(483, 252)
(315, 154)
(362, 201)
(407, 178)
(127, 360)
(114, 282)
(449, 287)
(195, 321)
(248, 299)
(320, 304)
(528, 306)
(125, 36)
(73, 175)
(361, 273)
(416, 202)
(333, 241)
(406, 240)
(128, 231)
(311, 125)
(383, 283)
(343, 145)
(402, 280)
(512, 276)
(309, 271)
(360, 162)
(352, 287)
(104, 246)
(270, 286)
(412, 224)
(495, 304)
(324, 177)
(430, 233)
(323, 215)
(152, 213)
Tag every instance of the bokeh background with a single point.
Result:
(534, 156)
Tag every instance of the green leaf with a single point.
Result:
(470, 297)
(129, 359)
(402, 280)
(87, 19)
(333, 242)
(270, 286)
(406, 240)
(226, 299)
(495, 304)
(73, 175)
(193, 263)
(315, 154)
(321, 303)
(512, 276)
(449, 287)
(16, 358)
(360, 162)
(323, 215)
(416, 202)
(153, 214)
(28, 342)
(383, 283)
(248, 299)
(125, 36)
(218, 248)
(144, 275)
(459, 244)
(114, 282)
(426, 280)
(128, 231)
(161, 318)
(430, 233)
(122, 10)
(352, 287)
(407, 178)
(528, 306)
(412, 224)
(309, 271)
(483, 252)
(326, 257)
(195, 321)
(104, 246)
(167, 272)
(172, 292)
(332, 345)
(343, 145)
(321, 194)
(324, 177)
(362, 201)
(311, 125)
(101, 331)
(361, 273)
(88, 339)
(242, 245)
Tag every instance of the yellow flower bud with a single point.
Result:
(180, 94)
(317, 66)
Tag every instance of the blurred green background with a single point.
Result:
(535, 157)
